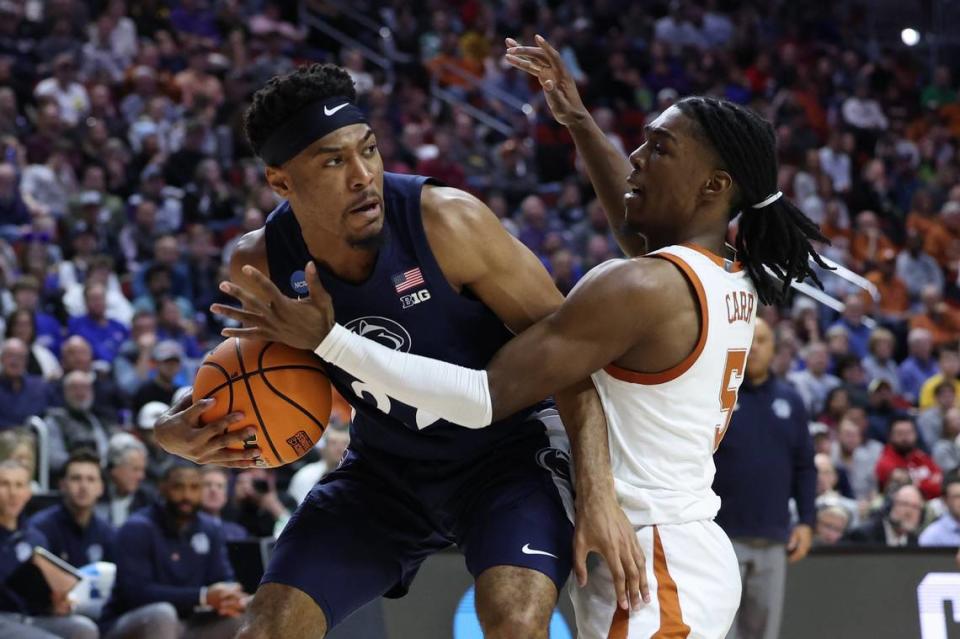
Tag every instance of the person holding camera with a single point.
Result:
(257, 505)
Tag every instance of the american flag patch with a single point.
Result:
(407, 280)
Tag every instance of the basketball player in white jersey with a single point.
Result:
(664, 333)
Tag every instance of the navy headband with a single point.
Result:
(308, 125)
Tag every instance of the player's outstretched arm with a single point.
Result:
(607, 167)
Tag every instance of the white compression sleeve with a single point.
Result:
(454, 393)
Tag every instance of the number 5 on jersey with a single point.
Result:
(732, 377)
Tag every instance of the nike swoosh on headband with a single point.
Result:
(329, 112)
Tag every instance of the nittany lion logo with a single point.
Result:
(381, 330)
(556, 461)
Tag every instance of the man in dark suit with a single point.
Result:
(897, 525)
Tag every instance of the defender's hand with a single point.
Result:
(178, 431)
(270, 315)
(559, 87)
(602, 527)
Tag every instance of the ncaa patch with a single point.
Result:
(298, 282)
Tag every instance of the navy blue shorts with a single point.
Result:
(364, 530)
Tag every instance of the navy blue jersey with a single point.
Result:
(78, 546)
(406, 304)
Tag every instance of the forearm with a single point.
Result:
(586, 425)
(454, 393)
(608, 171)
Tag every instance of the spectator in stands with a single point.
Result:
(76, 355)
(930, 421)
(883, 407)
(857, 457)
(174, 576)
(854, 379)
(770, 414)
(916, 268)
(838, 346)
(126, 468)
(832, 523)
(897, 525)
(20, 445)
(948, 363)
(167, 378)
(814, 382)
(22, 324)
(941, 241)
(918, 366)
(214, 499)
(73, 531)
(869, 245)
(69, 94)
(835, 407)
(21, 395)
(134, 362)
(166, 252)
(26, 297)
(945, 530)
(879, 363)
(102, 333)
(257, 506)
(14, 214)
(20, 617)
(946, 451)
(101, 270)
(333, 445)
(138, 236)
(852, 320)
(75, 425)
(173, 326)
(937, 316)
(894, 297)
(829, 491)
(902, 451)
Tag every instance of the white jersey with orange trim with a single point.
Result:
(664, 427)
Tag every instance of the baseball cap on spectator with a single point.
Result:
(877, 383)
(91, 198)
(166, 350)
(26, 283)
(149, 414)
(819, 428)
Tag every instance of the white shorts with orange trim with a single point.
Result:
(694, 583)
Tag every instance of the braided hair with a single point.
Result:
(778, 234)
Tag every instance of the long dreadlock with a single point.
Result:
(777, 235)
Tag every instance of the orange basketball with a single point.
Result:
(282, 391)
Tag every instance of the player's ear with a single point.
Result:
(719, 184)
(278, 180)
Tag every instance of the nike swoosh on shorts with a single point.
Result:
(527, 550)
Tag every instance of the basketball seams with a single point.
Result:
(262, 372)
(253, 402)
(229, 382)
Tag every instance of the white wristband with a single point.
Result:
(457, 394)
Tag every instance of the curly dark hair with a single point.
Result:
(284, 95)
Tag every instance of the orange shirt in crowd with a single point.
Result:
(940, 244)
(832, 232)
(867, 249)
(894, 297)
(921, 224)
(945, 327)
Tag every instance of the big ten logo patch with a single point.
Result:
(414, 298)
(300, 443)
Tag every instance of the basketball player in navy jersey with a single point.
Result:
(424, 269)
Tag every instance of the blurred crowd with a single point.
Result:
(126, 181)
